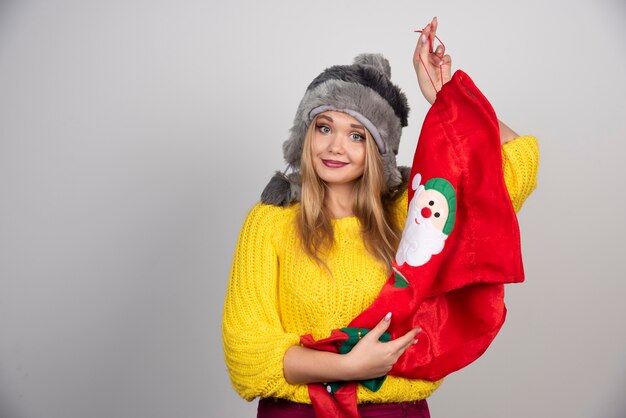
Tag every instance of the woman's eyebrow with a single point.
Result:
(357, 126)
(326, 117)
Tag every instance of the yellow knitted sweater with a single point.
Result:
(276, 293)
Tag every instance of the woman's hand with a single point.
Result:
(368, 359)
(431, 67)
(371, 358)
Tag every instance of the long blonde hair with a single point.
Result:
(379, 230)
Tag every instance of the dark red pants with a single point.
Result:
(279, 408)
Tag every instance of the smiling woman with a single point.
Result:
(316, 251)
(337, 151)
(342, 176)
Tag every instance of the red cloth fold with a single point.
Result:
(455, 293)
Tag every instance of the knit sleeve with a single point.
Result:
(520, 162)
(253, 337)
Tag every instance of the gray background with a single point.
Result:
(135, 135)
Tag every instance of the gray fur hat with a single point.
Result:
(364, 91)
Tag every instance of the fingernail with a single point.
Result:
(423, 39)
(441, 62)
(418, 330)
(388, 317)
(415, 341)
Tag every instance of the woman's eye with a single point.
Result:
(324, 129)
(357, 137)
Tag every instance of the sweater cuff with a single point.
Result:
(520, 160)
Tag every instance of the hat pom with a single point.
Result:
(374, 60)
(282, 189)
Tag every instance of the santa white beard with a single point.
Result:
(419, 241)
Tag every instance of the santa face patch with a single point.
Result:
(430, 220)
(431, 206)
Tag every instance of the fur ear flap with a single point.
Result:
(392, 176)
(405, 173)
(282, 189)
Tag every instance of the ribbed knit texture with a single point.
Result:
(276, 293)
(520, 159)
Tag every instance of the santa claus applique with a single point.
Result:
(429, 221)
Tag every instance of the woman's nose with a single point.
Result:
(336, 144)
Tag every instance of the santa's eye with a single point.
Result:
(432, 202)
(437, 214)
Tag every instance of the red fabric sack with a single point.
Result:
(460, 245)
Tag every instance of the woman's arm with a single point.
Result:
(253, 336)
(369, 358)
(506, 134)
(434, 69)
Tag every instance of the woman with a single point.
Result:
(316, 251)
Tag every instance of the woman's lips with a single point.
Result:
(333, 163)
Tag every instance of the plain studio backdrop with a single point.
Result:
(135, 136)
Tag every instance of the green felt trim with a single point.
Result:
(354, 335)
(399, 281)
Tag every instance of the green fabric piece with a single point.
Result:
(399, 281)
(345, 347)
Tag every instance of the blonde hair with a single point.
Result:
(371, 206)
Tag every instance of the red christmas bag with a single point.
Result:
(460, 245)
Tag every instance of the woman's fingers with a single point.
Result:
(372, 358)
(447, 68)
(400, 343)
(435, 59)
(433, 32)
(422, 47)
(407, 340)
(380, 328)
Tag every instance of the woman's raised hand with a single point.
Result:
(371, 358)
(432, 67)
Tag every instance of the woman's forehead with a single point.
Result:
(340, 117)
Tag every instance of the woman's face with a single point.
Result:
(338, 148)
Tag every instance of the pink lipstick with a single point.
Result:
(333, 163)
